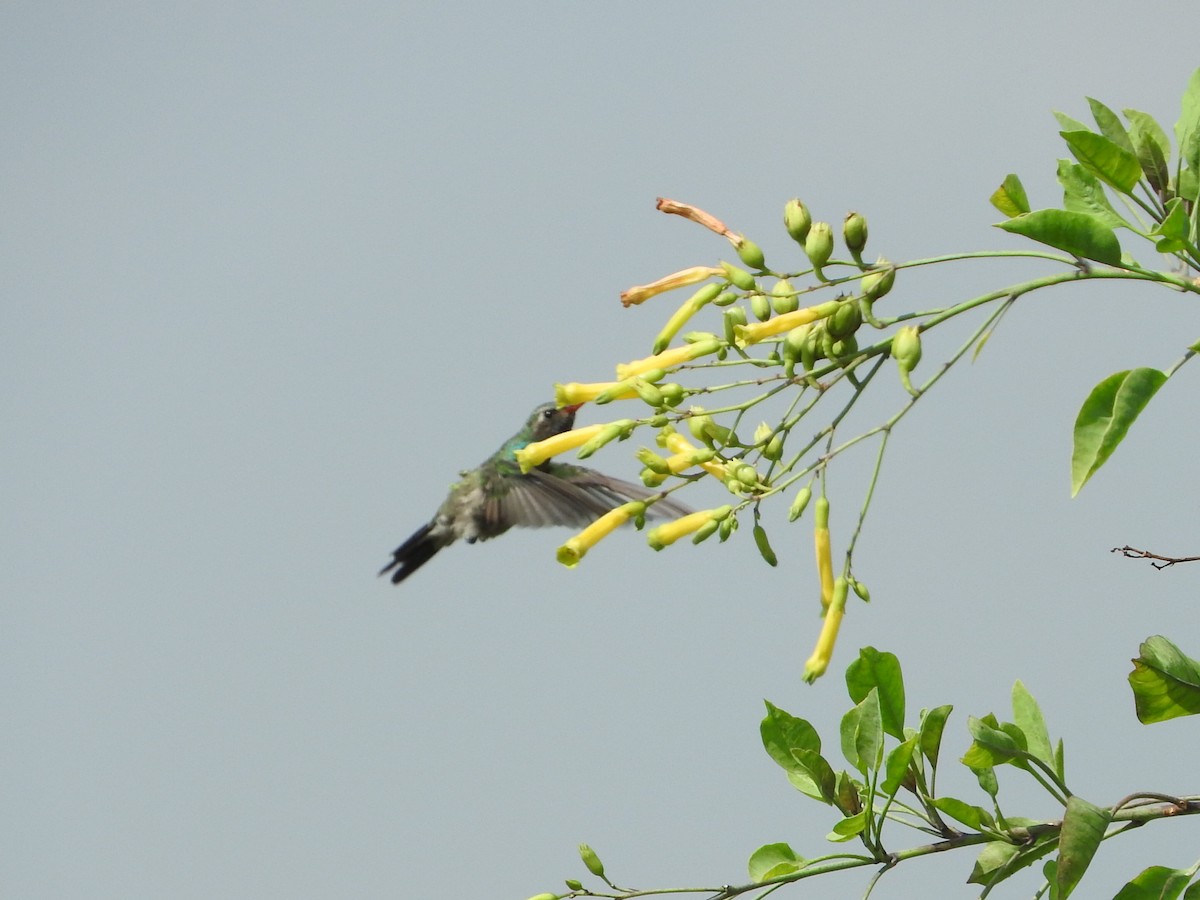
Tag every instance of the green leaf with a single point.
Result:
(1165, 682)
(1010, 198)
(868, 734)
(1155, 883)
(782, 733)
(1066, 123)
(993, 862)
(933, 723)
(896, 766)
(817, 773)
(1080, 234)
(1028, 716)
(987, 780)
(849, 827)
(1151, 146)
(1083, 192)
(849, 796)
(1171, 234)
(1108, 161)
(973, 817)
(1082, 830)
(881, 671)
(1187, 128)
(992, 737)
(1105, 418)
(774, 861)
(1110, 124)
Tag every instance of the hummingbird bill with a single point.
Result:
(497, 496)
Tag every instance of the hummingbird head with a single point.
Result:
(548, 420)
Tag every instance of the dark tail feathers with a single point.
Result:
(412, 554)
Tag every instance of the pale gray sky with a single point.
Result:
(273, 273)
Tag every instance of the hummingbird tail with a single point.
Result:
(413, 554)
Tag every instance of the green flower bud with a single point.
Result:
(800, 503)
(906, 347)
(818, 246)
(746, 474)
(854, 232)
(621, 428)
(764, 546)
(698, 425)
(861, 590)
(546, 897)
(845, 320)
(728, 526)
(653, 461)
(725, 298)
(793, 342)
(650, 478)
(591, 860)
(739, 278)
(774, 449)
(762, 433)
(879, 280)
(749, 252)
(784, 298)
(797, 220)
(707, 530)
(650, 394)
(672, 393)
(844, 347)
(733, 316)
(574, 884)
(760, 306)
(695, 337)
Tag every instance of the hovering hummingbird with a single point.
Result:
(491, 499)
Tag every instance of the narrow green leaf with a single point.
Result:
(896, 765)
(868, 736)
(1010, 198)
(992, 737)
(972, 816)
(774, 861)
(1171, 234)
(1083, 192)
(1111, 163)
(987, 780)
(1082, 830)
(1165, 682)
(1155, 883)
(1105, 418)
(1151, 146)
(782, 733)
(881, 671)
(1066, 123)
(1028, 717)
(847, 732)
(933, 723)
(1079, 234)
(1060, 762)
(817, 773)
(849, 797)
(1110, 124)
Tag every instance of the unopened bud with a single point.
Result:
(796, 220)
(748, 251)
(774, 449)
(591, 860)
(739, 278)
(672, 393)
(725, 298)
(574, 884)
(760, 306)
(818, 246)
(800, 503)
(728, 526)
(707, 530)
(762, 433)
(906, 347)
(879, 280)
(649, 393)
(846, 319)
(733, 317)
(783, 297)
(854, 232)
(861, 590)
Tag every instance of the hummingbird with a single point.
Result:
(493, 498)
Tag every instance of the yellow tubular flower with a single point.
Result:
(668, 359)
(824, 552)
(573, 392)
(640, 293)
(682, 447)
(823, 652)
(538, 452)
(570, 553)
(665, 535)
(754, 332)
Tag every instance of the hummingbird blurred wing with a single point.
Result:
(569, 495)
